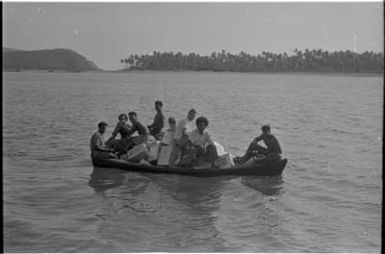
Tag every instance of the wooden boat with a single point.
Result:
(261, 168)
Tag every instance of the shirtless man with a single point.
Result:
(97, 144)
(272, 151)
(138, 127)
(123, 129)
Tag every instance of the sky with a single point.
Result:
(107, 32)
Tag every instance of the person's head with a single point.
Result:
(191, 114)
(158, 105)
(266, 129)
(171, 122)
(123, 118)
(201, 123)
(132, 115)
(102, 127)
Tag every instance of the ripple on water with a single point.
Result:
(328, 196)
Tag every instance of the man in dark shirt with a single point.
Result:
(272, 151)
(156, 128)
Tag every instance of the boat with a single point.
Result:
(257, 168)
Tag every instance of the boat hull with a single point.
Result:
(271, 168)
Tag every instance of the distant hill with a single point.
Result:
(10, 50)
(49, 59)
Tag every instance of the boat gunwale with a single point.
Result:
(271, 168)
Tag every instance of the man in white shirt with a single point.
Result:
(204, 146)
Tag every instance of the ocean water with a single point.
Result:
(328, 199)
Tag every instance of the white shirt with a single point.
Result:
(184, 123)
(201, 140)
(168, 137)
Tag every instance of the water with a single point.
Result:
(327, 200)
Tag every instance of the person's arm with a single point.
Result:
(209, 141)
(126, 128)
(98, 144)
(257, 139)
(193, 141)
(114, 133)
(104, 149)
(116, 130)
(132, 130)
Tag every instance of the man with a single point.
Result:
(123, 129)
(138, 127)
(97, 145)
(203, 145)
(156, 128)
(272, 151)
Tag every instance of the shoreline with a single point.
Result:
(351, 74)
(354, 74)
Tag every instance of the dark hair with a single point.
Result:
(171, 120)
(202, 119)
(159, 103)
(265, 128)
(123, 115)
(102, 124)
(132, 113)
(192, 111)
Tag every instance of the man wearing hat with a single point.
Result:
(97, 144)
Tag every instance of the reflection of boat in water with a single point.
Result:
(269, 187)
(102, 180)
(258, 168)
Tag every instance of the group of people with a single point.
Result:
(190, 141)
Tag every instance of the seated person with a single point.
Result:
(156, 128)
(201, 141)
(123, 129)
(183, 130)
(97, 145)
(138, 127)
(168, 137)
(272, 151)
(169, 140)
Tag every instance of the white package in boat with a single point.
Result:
(164, 155)
(137, 153)
(224, 161)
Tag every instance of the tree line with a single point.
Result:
(301, 61)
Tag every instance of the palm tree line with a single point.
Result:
(302, 61)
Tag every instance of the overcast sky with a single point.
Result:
(107, 32)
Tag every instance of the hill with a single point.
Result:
(10, 50)
(49, 59)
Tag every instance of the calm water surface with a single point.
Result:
(328, 199)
